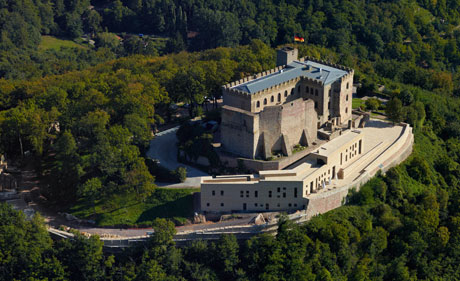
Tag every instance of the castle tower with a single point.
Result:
(286, 55)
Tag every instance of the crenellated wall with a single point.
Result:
(271, 106)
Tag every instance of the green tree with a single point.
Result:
(25, 248)
(372, 104)
(394, 110)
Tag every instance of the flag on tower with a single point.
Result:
(299, 39)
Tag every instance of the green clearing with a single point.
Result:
(127, 210)
(357, 102)
(51, 42)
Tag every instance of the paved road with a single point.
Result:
(163, 147)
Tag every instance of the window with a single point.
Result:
(278, 189)
(346, 97)
(330, 92)
(298, 90)
(221, 192)
(316, 92)
(285, 93)
(213, 193)
(258, 104)
(266, 206)
(207, 204)
(295, 192)
(316, 104)
(290, 205)
(256, 193)
(270, 194)
(241, 193)
(346, 110)
(265, 101)
(247, 193)
(284, 194)
(279, 96)
(272, 99)
(307, 90)
(221, 204)
(292, 91)
(255, 204)
(348, 85)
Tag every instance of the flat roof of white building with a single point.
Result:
(330, 147)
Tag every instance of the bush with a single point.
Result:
(162, 174)
(372, 104)
(181, 174)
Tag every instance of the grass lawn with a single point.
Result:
(357, 102)
(175, 204)
(50, 42)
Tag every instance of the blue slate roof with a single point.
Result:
(295, 69)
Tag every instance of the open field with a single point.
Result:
(51, 42)
(175, 204)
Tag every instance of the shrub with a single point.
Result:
(181, 174)
(372, 104)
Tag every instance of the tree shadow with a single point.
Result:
(182, 207)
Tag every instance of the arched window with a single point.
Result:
(279, 97)
(265, 101)
(346, 110)
(292, 91)
(316, 92)
(307, 90)
(258, 104)
(272, 99)
(347, 98)
(285, 93)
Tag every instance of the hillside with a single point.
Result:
(85, 116)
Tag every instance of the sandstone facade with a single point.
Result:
(275, 110)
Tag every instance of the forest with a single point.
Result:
(84, 117)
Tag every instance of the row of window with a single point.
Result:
(321, 179)
(310, 90)
(307, 90)
(246, 193)
(261, 205)
(272, 98)
(352, 151)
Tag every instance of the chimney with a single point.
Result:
(286, 55)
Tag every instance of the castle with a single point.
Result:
(271, 112)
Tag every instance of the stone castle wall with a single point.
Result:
(241, 131)
(276, 128)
